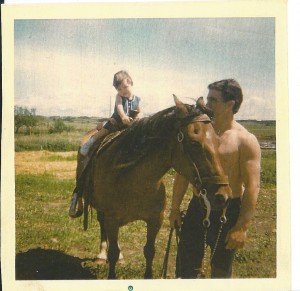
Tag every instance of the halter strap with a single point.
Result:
(221, 180)
(201, 118)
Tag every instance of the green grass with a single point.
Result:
(42, 221)
(51, 142)
(42, 204)
(41, 139)
(268, 169)
(59, 158)
(260, 129)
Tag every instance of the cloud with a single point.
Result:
(82, 85)
(58, 83)
(65, 68)
(257, 107)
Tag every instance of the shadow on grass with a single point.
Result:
(41, 264)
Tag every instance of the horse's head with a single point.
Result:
(196, 156)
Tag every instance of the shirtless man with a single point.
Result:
(240, 158)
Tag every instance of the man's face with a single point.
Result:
(215, 101)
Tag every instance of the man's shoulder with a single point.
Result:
(246, 138)
(242, 131)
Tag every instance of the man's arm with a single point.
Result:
(250, 158)
(179, 189)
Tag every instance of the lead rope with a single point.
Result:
(223, 220)
(206, 224)
(165, 263)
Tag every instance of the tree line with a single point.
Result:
(27, 118)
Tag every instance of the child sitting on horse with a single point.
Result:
(126, 103)
(127, 109)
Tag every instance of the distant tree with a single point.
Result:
(59, 127)
(25, 117)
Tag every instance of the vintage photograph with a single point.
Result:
(146, 145)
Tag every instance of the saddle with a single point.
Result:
(98, 147)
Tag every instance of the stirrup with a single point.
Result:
(72, 211)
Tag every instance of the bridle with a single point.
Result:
(199, 181)
(201, 193)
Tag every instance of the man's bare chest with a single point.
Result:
(229, 151)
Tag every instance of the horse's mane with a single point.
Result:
(145, 136)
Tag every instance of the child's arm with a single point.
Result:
(139, 109)
(125, 119)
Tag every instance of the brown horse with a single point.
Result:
(125, 177)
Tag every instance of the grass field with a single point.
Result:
(50, 245)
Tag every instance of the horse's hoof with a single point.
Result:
(101, 258)
(112, 277)
(148, 276)
(101, 261)
(121, 261)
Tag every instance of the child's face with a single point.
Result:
(125, 89)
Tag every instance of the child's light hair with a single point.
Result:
(119, 77)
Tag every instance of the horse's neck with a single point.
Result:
(156, 163)
(146, 151)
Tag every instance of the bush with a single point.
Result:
(59, 127)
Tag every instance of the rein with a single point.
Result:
(222, 180)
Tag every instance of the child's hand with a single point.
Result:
(126, 120)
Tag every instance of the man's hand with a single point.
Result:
(175, 218)
(236, 238)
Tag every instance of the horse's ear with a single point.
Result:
(179, 104)
(200, 104)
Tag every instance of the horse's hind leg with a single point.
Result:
(102, 256)
(112, 230)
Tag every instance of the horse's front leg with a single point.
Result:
(112, 230)
(153, 227)
(102, 256)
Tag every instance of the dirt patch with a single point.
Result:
(35, 163)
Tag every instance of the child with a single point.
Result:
(127, 108)
(125, 103)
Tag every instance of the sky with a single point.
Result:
(66, 67)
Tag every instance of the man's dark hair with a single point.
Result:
(231, 90)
